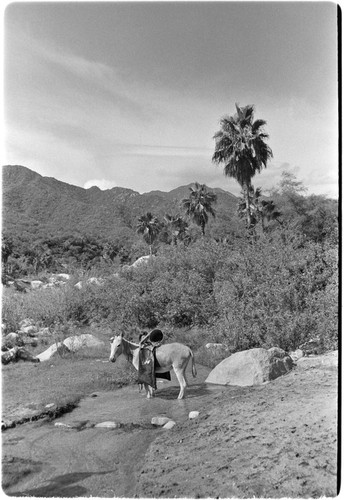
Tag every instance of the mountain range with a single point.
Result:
(37, 207)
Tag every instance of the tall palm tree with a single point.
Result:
(241, 146)
(149, 226)
(199, 204)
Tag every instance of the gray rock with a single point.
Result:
(214, 345)
(169, 425)
(13, 339)
(36, 284)
(26, 322)
(9, 356)
(76, 342)
(193, 414)
(52, 350)
(28, 330)
(296, 355)
(107, 425)
(16, 354)
(43, 331)
(95, 281)
(70, 344)
(142, 260)
(63, 276)
(251, 367)
(312, 346)
(33, 341)
(160, 421)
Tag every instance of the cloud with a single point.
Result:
(168, 151)
(103, 184)
(76, 119)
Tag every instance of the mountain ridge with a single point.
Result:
(41, 206)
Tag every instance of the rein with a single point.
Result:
(128, 347)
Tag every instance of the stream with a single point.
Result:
(70, 457)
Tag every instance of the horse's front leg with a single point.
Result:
(150, 391)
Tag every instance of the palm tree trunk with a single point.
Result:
(203, 228)
(248, 208)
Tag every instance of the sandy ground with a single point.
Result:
(276, 440)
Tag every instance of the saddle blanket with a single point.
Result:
(147, 366)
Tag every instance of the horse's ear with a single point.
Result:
(121, 335)
(112, 339)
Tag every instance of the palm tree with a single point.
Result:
(149, 226)
(199, 204)
(260, 209)
(178, 226)
(241, 146)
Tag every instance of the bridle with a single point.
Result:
(126, 349)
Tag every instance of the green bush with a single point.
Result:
(277, 290)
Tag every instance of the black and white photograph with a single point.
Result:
(170, 254)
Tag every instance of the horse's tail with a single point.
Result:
(193, 366)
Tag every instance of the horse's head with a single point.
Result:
(116, 347)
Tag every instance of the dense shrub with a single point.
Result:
(274, 292)
(280, 289)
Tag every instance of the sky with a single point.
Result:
(130, 94)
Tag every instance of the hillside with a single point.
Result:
(36, 206)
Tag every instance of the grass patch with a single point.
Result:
(63, 380)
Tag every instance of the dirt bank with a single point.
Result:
(276, 440)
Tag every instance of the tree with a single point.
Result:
(149, 226)
(6, 250)
(315, 216)
(177, 226)
(261, 210)
(241, 146)
(290, 185)
(199, 204)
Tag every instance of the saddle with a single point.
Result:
(148, 362)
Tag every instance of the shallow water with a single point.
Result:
(77, 459)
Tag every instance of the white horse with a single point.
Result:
(169, 356)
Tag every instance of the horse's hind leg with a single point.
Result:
(182, 382)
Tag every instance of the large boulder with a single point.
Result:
(142, 260)
(52, 350)
(9, 355)
(70, 344)
(16, 354)
(12, 339)
(84, 340)
(251, 367)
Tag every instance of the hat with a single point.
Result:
(156, 335)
